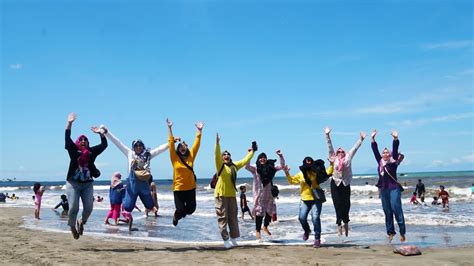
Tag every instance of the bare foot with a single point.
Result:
(265, 229)
(402, 238)
(339, 230)
(390, 237)
(258, 235)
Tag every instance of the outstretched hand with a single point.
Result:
(217, 138)
(71, 117)
(363, 135)
(278, 152)
(395, 134)
(177, 139)
(169, 123)
(332, 158)
(199, 125)
(374, 133)
(327, 130)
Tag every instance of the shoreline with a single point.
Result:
(22, 245)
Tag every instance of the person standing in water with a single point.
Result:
(341, 181)
(420, 190)
(390, 189)
(184, 179)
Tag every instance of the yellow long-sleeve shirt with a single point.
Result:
(183, 178)
(305, 190)
(224, 186)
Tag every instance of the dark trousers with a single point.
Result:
(341, 197)
(185, 202)
(259, 219)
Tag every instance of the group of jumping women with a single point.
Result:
(82, 171)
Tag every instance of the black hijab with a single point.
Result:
(266, 171)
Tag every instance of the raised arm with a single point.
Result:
(218, 156)
(98, 149)
(282, 161)
(124, 149)
(251, 168)
(292, 180)
(246, 159)
(395, 145)
(357, 145)
(197, 141)
(327, 130)
(375, 148)
(160, 149)
(171, 146)
(67, 136)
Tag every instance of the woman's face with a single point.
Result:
(183, 148)
(341, 154)
(84, 142)
(138, 148)
(226, 157)
(262, 160)
(386, 154)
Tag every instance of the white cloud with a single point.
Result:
(469, 158)
(421, 122)
(453, 161)
(447, 45)
(16, 66)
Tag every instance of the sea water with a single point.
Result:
(427, 225)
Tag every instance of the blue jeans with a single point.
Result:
(137, 188)
(392, 205)
(85, 192)
(305, 207)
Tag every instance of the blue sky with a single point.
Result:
(276, 72)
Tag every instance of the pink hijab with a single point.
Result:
(83, 160)
(340, 164)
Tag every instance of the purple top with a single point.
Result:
(385, 181)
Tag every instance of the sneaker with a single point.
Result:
(227, 244)
(175, 220)
(317, 243)
(305, 236)
(233, 241)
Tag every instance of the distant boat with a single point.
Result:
(402, 174)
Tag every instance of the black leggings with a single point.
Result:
(341, 197)
(185, 202)
(258, 221)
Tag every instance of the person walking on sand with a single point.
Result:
(184, 178)
(225, 192)
(38, 190)
(139, 171)
(263, 172)
(341, 181)
(390, 189)
(307, 178)
(80, 175)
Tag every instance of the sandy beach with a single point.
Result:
(22, 245)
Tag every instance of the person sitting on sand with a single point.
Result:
(444, 196)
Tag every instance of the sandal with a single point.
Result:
(74, 232)
(80, 227)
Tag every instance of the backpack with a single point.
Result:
(215, 177)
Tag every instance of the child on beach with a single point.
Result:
(443, 194)
(38, 190)
(413, 199)
(435, 201)
(116, 194)
(243, 202)
(64, 203)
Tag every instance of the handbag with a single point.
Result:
(215, 177)
(401, 187)
(275, 191)
(142, 175)
(318, 194)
